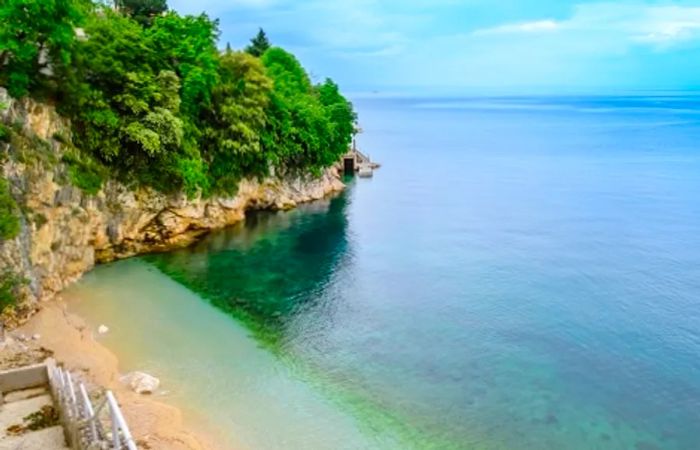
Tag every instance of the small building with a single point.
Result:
(355, 161)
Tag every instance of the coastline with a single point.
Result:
(65, 233)
(155, 424)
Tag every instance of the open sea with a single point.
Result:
(522, 273)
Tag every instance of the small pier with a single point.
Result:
(356, 162)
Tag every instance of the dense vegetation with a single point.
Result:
(9, 222)
(10, 284)
(153, 101)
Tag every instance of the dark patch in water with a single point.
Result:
(552, 420)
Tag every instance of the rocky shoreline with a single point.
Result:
(65, 231)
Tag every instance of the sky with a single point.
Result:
(505, 45)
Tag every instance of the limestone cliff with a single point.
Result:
(65, 232)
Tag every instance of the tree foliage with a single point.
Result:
(236, 119)
(142, 11)
(309, 127)
(187, 46)
(259, 44)
(153, 102)
(341, 115)
(33, 34)
(125, 111)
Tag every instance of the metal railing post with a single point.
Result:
(89, 412)
(81, 421)
(119, 418)
(115, 429)
(71, 393)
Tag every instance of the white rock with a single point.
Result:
(141, 382)
(36, 337)
(103, 329)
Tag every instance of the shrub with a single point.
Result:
(5, 133)
(9, 220)
(10, 284)
(84, 172)
(60, 137)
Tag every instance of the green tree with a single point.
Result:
(143, 11)
(152, 101)
(35, 37)
(300, 129)
(289, 76)
(259, 44)
(341, 115)
(232, 139)
(186, 45)
(126, 108)
(98, 88)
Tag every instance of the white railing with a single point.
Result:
(85, 427)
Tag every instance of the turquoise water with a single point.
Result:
(522, 273)
(230, 390)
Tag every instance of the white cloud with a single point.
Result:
(668, 25)
(634, 23)
(421, 43)
(358, 28)
(537, 26)
(598, 43)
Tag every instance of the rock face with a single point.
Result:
(65, 231)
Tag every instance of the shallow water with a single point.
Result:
(521, 273)
(229, 388)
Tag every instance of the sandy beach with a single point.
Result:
(53, 331)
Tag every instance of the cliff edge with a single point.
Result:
(65, 231)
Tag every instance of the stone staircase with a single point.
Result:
(42, 408)
(32, 396)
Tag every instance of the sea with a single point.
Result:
(522, 272)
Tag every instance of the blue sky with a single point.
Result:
(476, 44)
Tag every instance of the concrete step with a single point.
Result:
(19, 404)
(46, 439)
(15, 412)
(24, 394)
